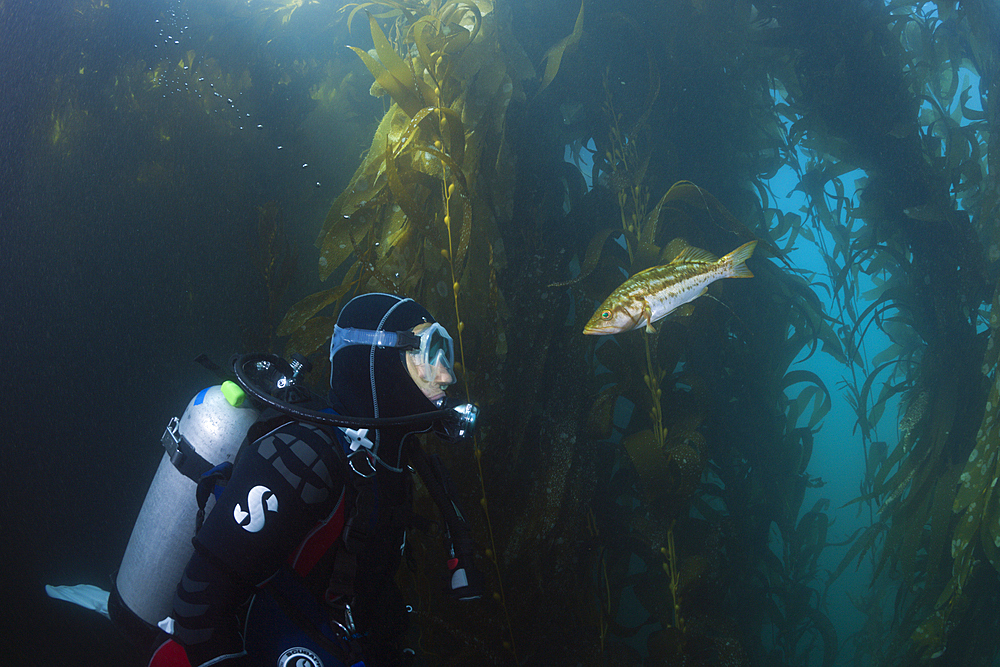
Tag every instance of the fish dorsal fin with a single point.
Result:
(694, 255)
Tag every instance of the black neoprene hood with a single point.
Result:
(357, 367)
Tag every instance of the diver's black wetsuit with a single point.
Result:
(286, 480)
(289, 478)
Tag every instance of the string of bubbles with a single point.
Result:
(183, 70)
(184, 66)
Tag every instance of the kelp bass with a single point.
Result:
(651, 295)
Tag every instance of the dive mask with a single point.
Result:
(430, 348)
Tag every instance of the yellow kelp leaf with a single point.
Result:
(390, 71)
(398, 229)
(453, 131)
(307, 307)
(367, 186)
(451, 128)
(456, 171)
(465, 235)
(401, 95)
(470, 16)
(401, 193)
(311, 336)
(401, 71)
(423, 47)
(397, 10)
(553, 57)
(336, 245)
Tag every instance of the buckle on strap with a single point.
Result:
(187, 461)
(367, 470)
(347, 628)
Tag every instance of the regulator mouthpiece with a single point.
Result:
(458, 424)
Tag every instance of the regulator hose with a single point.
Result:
(276, 363)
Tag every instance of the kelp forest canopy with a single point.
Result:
(635, 495)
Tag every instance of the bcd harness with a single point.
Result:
(359, 507)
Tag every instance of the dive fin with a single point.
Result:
(85, 595)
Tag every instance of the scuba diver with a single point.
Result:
(312, 518)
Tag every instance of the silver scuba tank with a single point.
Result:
(209, 433)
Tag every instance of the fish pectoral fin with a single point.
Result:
(647, 314)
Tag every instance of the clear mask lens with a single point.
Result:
(436, 354)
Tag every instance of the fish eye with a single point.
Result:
(606, 315)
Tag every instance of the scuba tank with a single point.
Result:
(205, 439)
(208, 434)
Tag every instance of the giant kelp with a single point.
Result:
(406, 220)
(644, 491)
(689, 484)
(420, 215)
(925, 218)
(851, 81)
(697, 479)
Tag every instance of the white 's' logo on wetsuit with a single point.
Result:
(255, 508)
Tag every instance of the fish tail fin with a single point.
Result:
(734, 261)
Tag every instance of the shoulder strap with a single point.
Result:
(209, 484)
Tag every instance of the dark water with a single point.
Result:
(124, 257)
(138, 144)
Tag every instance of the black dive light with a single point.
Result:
(273, 381)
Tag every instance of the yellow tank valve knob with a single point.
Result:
(234, 393)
